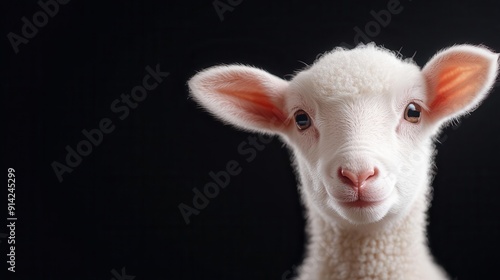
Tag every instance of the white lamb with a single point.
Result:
(361, 125)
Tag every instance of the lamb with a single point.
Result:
(361, 125)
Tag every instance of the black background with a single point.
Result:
(119, 207)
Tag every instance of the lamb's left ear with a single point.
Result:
(458, 79)
(244, 96)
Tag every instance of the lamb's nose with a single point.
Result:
(357, 179)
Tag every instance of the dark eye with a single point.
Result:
(412, 112)
(302, 120)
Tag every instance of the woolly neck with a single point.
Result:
(398, 252)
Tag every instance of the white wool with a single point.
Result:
(356, 101)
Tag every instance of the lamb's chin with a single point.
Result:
(363, 212)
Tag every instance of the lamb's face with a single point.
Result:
(360, 122)
(359, 134)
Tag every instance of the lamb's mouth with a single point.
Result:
(361, 203)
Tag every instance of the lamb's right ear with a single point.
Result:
(244, 96)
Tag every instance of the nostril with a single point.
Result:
(367, 174)
(348, 177)
(356, 179)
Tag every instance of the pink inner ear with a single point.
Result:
(251, 96)
(456, 81)
(258, 103)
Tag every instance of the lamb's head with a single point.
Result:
(360, 122)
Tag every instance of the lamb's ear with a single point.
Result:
(458, 79)
(244, 96)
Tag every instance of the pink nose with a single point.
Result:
(357, 179)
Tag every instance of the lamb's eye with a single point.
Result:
(412, 112)
(302, 120)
